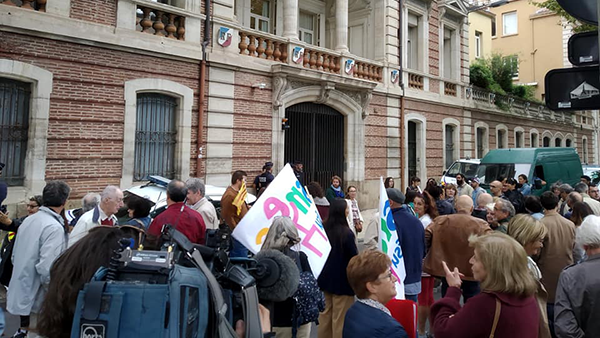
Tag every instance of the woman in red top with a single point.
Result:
(506, 307)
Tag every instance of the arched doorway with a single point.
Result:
(315, 137)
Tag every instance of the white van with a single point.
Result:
(467, 167)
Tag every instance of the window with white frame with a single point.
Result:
(509, 23)
(449, 144)
(501, 139)
(412, 43)
(519, 140)
(534, 140)
(261, 14)
(494, 27)
(449, 53)
(308, 28)
(175, 3)
(513, 62)
(478, 41)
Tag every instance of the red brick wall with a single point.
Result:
(98, 11)
(252, 122)
(434, 46)
(85, 132)
(376, 138)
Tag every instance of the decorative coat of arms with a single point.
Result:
(395, 76)
(225, 35)
(349, 68)
(298, 54)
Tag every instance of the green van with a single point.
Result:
(548, 164)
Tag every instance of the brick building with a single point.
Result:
(99, 92)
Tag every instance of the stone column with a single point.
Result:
(341, 25)
(290, 19)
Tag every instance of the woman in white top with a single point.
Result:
(530, 233)
(355, 219)
(427, 212)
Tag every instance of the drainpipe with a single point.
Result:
(401, 78)
(202, 85)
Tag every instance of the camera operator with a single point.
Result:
(182, 217)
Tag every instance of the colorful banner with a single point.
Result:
(388, 240)
(285, 196)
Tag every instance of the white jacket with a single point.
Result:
(87, 221)
(350, 217)
(208, 212)
(40, 240)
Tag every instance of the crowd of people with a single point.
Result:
(524, 265)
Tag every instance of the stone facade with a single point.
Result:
(88, 63)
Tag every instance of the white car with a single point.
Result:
(593, 171)
(467, 167)
(155, 190)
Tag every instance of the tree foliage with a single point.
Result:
(552, 5)
(496, 75)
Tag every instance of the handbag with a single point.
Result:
(358, 225)
(496, 318)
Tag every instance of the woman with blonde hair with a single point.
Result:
(283, 236)
(505, 308)
(530, 233)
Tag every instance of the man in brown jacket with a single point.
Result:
(557, 251)
(448, 240)
(229, 212)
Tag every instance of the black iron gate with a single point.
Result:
(315, 137)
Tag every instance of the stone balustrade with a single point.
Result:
(36, 5)
(263, 47)
(514, 105)
(450, 89)
(159, 22)
(368, 71)
(320, 60)
(415, 81)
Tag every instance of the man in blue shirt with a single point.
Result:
(411, 236)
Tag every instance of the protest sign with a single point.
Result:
(285, 196)
(388, 240)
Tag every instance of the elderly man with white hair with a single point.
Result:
(111, 200)
(577, 303)
(196, 199)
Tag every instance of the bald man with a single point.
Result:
(496, 190)
(111, 200)
(448, 240)
(480, 210)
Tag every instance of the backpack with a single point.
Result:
(177, 306)
(308, 299)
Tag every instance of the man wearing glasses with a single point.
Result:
(111, 200)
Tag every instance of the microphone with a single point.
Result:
(277, 276)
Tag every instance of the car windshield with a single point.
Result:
(467, 169)
(492, 171)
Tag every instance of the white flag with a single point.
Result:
(388, 240)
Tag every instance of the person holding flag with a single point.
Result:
(388, 239)
(411, 237)
(234, 208)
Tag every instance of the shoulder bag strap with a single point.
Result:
(496, 318)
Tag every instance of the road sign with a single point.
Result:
(583, 49)
(582, 10)
(573, 88)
